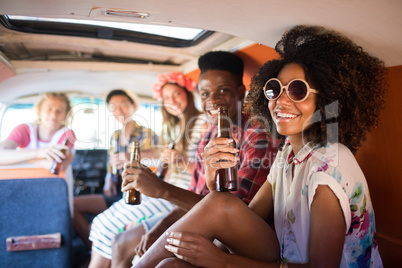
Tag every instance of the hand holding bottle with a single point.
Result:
(166, 161)
(54, 152)
(217, 150)
(59, 156)
(139, 177)
(226, 178)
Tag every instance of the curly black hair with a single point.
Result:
(351, 84)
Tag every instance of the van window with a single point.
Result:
(91, 121)
(162, 35)
(16, 114)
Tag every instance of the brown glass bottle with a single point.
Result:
(226, 178)
(55, 168)
(163, 166)
(133, 197)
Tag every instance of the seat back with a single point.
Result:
(89, 170)
(31, 207)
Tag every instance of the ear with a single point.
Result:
(242, 91)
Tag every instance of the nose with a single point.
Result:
(215, 99)
(53, 113)
(174, 102)
(117, 111)
(283, 98)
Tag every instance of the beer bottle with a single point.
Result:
(116, 150)
(163, 166)
(55, 168)
(133, 197)
(226, 178)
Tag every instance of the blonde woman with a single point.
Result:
(42, 141)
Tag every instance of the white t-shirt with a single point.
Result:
(335, 166)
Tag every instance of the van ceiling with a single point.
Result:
(32, 38)
(375, 24)
(371, 23)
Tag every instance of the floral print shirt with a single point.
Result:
(335, 166)
(145, 136)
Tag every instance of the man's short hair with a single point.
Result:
(222, 60)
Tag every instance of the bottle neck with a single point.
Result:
(223, 124)
(171, 145)
(65, 142)
(135, 152)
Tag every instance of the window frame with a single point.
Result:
(100, 32)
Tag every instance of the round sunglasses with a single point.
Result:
(297, 89)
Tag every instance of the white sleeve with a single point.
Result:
(321, 178)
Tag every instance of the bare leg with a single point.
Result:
(123, 245)
(91, 204)
(98, 261)
(227, 218)
(175, 263)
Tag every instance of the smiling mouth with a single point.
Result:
(213, 112)
(285, 115)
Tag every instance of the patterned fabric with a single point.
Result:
(26, 136)
(109, 223)
(120, 216)
(145, 136)
(336, 167)
(181, 178)
(257, 153)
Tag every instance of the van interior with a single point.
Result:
(89, 47)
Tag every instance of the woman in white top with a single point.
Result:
(322, 95)
(42, 141)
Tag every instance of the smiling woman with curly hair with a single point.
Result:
(322, 95)
(350, 83)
